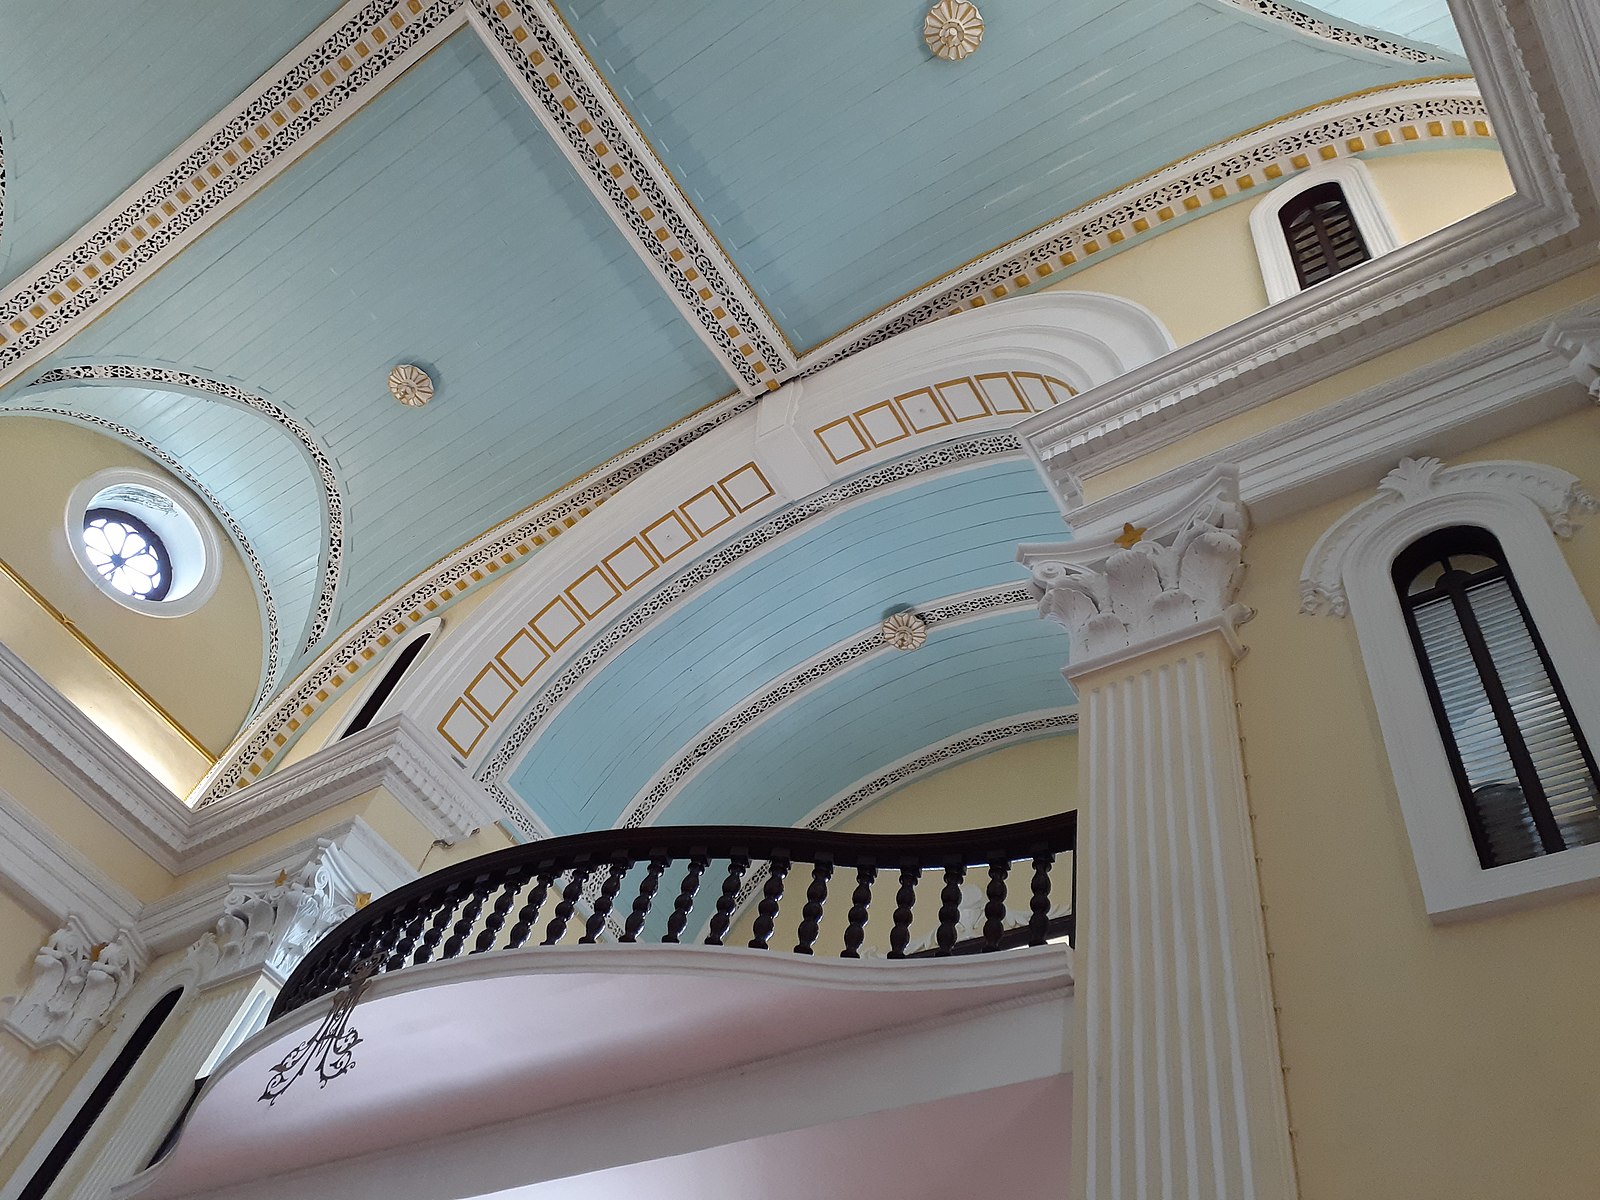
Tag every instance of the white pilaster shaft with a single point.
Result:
(1179, 1084)
(26, 1077)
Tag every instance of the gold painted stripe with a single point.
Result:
(61, 619)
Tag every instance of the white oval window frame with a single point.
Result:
(192, 536)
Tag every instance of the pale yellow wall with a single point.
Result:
(1203, 275)
(1017, 783)
(203, 669)
(1422, 1061)
(74, 822)
(22, 932)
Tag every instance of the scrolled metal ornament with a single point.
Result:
(331, 1049)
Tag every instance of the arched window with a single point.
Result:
(1526, 776)
(104, 1092)
(1317, 224)
(402, 659)
(1321, 233)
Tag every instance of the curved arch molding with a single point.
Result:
(1325, 29)
(332, 497)
(269, 609)
(957, 389)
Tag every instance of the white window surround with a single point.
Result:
(1372, 219)
(1526, 506)
(188, 532)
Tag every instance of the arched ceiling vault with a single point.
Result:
(592, 222)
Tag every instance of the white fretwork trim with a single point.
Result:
(1366, 206)
(722, 735)
(1325, 29)
(1526, 506)
(319, 460)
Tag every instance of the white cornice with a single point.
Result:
(393, 755)
(1513, 382)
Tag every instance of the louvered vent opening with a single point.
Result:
(1526, 776)
(1322, 235)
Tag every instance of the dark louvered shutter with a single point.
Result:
(1322, 235)
(1526, 776)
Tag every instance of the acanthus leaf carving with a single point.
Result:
(1184, 570)
(75, 986)
(270, 922)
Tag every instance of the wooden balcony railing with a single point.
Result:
(497, 902)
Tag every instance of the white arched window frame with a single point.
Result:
(1526, 506)
(1272, 248)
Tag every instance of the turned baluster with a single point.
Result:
(569, 901)
(1040, 903)
(685, 898)
(606, 899)
(477, 893)
(856, 930)
(416, 916)
(515, 877)
(811, 914)
(392, 924)
(950, 907)
(767, 910)
(441, 920)
(994, 912)
(900, 934)
(646, 897)
(530, 910)
(737, 866)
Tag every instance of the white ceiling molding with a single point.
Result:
(1570, 32)
(1519, 244)
(1240, 167)
(1514, 382)
(310, 448)
(393, 755)
(298, 102)
(1320, 27)
(723, 734)
(585, 119)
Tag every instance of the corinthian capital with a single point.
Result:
(1167, 572)
(1578, 341)
(76, 983)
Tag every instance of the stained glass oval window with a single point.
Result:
(127, 553)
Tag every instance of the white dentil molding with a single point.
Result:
(1366, 206)
(1526, 506)
(1492, 390)
(1167, 578)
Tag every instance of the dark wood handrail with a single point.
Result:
(494, 902)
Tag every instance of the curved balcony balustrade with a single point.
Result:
(499, 901)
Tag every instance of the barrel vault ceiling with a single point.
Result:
(221, 225)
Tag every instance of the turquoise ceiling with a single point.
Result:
(1425, 22)
(830, 581)
(93, 93)
(842, 166)
(439, 226)
(885, 709)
